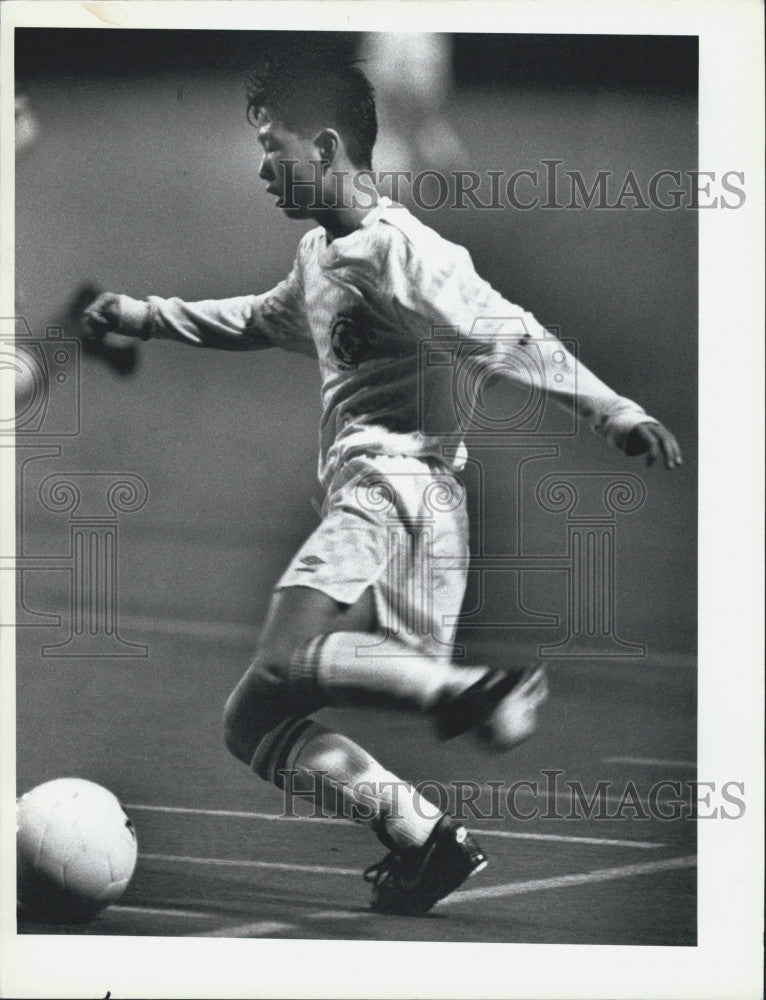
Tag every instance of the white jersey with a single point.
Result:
(396, 316)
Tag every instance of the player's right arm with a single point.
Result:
(243, 323)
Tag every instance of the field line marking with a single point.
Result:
(245, 863)
(651, 762)
(233, 813)
(643, 845)
(506, 834)
(257, 929)
(565, 881)
(232, 631)
(525, 792)
(607, 800)
(159, 911)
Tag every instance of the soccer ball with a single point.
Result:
(75, 848)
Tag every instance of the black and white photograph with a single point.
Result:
(382, 465)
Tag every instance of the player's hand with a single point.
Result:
(102, 316)
(654, 441)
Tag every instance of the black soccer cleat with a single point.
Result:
(409, 881)
(502, 707)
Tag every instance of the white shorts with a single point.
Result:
(398, 525)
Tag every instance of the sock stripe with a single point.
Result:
(268, 746)
(282, 744)
(283, 753)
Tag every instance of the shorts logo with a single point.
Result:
(350, 338)
(310, 564)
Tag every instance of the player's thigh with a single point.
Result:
(299, 614)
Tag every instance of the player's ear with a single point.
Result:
(327, 142)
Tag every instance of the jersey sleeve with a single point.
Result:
(244, 323)
(440, 292)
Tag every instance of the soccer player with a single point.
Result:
(364, 613)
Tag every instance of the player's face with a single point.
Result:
(290, 167)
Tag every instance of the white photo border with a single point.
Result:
(727, 961)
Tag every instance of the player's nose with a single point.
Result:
(266, 172)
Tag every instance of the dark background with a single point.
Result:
(651, 63)
(144, 179)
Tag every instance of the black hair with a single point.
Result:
(309, 91)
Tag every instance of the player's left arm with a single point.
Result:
(621, 421)
(512, 344)
(656, 442)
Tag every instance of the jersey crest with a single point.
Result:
(351, 338)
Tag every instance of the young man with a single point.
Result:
(364, 613)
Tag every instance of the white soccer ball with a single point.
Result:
(76, 849)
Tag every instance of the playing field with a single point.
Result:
(215, 858)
